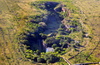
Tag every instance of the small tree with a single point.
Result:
(64, 44)
(54, 45)
(50, 41)
(51, 58)
(44, 36)
(37, 52)
(57, 48)
(34, 58)
(40, 60)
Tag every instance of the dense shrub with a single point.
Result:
(58, 49)
(50, 41)
(64, 44)
(36, 18)
(41, 60)
(44, 36)
(54, 45)
(50, 58)
(37, 52)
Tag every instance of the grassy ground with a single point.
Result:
(9, 48)
(89, 18)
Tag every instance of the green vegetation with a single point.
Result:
(74, 35)
(36, 56)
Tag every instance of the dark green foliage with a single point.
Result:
(62, 26)
(37, 52)
(64, 44)
(75, 23)
(62, 30)
(62, 33)
(51, 58)
(72, 29)
(75, 26)
(29, 54)
(36, 18)
(31, 26)
(60, 43)
(63, 14)
(67, 39)
(34, 58)
(54, 45)
(58, 49)
(41, 60)
(44, 36)
(50, 41)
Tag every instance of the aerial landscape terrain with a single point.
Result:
(49, 32)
